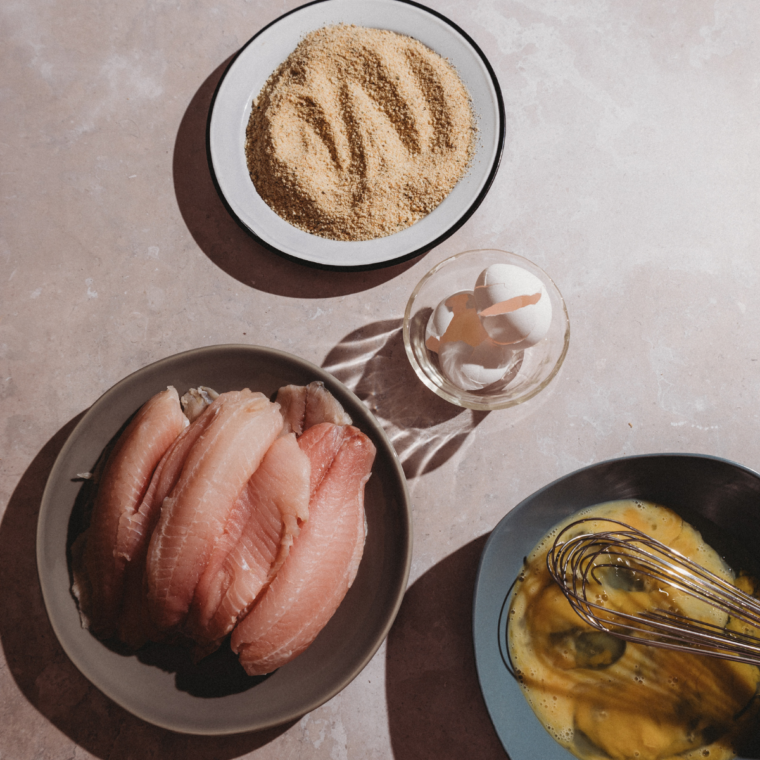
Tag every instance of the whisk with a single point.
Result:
(580, 559)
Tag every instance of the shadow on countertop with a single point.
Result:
(425, 430)
(226, 243)
(435, 707)
(45, 675)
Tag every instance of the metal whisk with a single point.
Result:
(596, 555)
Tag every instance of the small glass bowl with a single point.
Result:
(530, 370)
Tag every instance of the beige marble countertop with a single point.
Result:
(631, 174)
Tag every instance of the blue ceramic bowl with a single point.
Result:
(719, 498)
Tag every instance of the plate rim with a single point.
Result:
(485, 560)
(398, 589)
(448, 232)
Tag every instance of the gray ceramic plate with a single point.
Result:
(261, 55)
(706, 491)
(217, 698)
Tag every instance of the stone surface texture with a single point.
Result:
(631, 174)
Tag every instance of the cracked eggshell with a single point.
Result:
(439, 320)
(460, 307)
(528, 310)
(472, 368)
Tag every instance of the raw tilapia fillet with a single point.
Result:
(304, 406)
(102, 554)
(196, 400)
(323, 560)
(195, 514)
(257, 540)
(135, 624)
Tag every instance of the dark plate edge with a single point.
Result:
(400, 586)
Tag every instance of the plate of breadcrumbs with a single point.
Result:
(355, 135)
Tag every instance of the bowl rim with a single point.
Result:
(539, 738)
(43, 536)
(466, 399)
(627, 458)
(421, 249)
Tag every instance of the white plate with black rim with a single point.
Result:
(263, 53)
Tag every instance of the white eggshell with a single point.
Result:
(523, 327)
(441, 318)
(543, 321)
(474, 368)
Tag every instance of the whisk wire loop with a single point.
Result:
(644, 562)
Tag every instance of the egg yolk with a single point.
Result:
(602, 697)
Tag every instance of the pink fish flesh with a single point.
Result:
(304, 406)
(195, 514)
(256, 543)
(108, 544)
(323, 560)
(135, 624)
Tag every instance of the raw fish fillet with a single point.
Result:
(256, 542)
(322, 562)
(195, 514)
(304, 406)
(196, 400)
(135, 624)
(321, 445)
(108, 543)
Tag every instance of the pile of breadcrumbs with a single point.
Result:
(359, 133)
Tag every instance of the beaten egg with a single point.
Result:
(602, 697)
